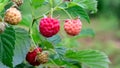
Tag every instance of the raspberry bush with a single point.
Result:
(36, 33)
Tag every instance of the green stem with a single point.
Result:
(51, 3)
(30, 32)
(31, 25)
(67, 13)
(51, 12)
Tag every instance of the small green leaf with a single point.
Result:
(26, 20)
(24, 65)
(7, 42)
(88, 4)
(60, 50)
(77, 11)
(47, 44)
(92, 58)
(22, 45)
(26, 15)
(37, 3)
(2, 4)
(55, 39)
(44, 9)
(60, 12)
(36, 34)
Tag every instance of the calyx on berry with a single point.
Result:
(12, 16)
(32, 54)
(49, 26)
(72, 26)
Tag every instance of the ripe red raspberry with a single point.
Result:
(12, 16)
(72, 27)
(49, 27)
(31, 56)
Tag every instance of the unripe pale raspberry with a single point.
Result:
(18, 2)
(49, 27)
(72, 27)
(2, 27)
(12, 16)
(31, 56)
(42, 57)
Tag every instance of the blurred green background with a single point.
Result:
(106, 24)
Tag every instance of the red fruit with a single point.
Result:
(73, 27)
(31, 56)
(49, 27)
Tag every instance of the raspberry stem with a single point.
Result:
(30, 32)
(66, 12)
(51, 12)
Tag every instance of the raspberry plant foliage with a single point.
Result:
(16, 40)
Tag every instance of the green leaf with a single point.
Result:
(7, 42)
(70, 62)
(47, 44)
(2, 65)
(88, 4)
(22, 45)
(58, 55)
(85, 33)
(36, 34)
(26, 20)
(37, 3)
(76, 10)
(43, 10)
(55, 39)
(24, 65)
(26, 15)
(60, 50)
(61, 13)
(2, 4)
(59, 58)
(92, 58)
(72, 10)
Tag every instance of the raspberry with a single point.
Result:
(12, 16)
(2, 27)
(31, 56)
(72, 27)
(49, 27)
(18, 2)
(42, 57)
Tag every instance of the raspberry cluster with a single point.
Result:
(36, 56)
